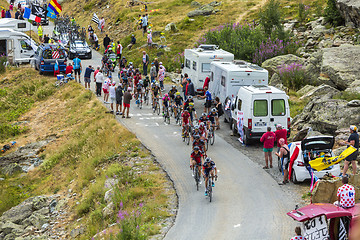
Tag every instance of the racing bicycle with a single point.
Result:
(156, 107)
(209, 187)
(166, 115)
(186, 136)
(196, 175)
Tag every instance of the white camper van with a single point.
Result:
(16, 46)
(15, 24)
(227, 77)
(197, 63)
(262, 107)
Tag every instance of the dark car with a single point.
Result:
(44, 60)
(81, 48)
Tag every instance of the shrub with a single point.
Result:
(293, 75)
(270, 17)
(332, 14)
(303, 12)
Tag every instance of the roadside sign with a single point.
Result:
(316, 228)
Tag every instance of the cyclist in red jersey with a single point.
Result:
(199, 143)
(185, 120)
(196, 159)
(203, 131)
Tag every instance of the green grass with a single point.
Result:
(296, 104)
(348, 96)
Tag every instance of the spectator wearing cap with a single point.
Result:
(353, 140)
(127, 99)
(112, 95)
(87, 76)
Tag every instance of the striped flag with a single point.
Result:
(55, 54)
(95, 19)
(342, 231)
(35, 18)
(55, 7)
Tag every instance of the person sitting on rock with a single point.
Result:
(345, 195)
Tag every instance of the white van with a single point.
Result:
(263, 106)
(16, 24)
(197, 63)
(227, 77)
(17, 46)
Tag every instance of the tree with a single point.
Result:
(271, 17)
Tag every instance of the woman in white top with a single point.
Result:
(112, 95)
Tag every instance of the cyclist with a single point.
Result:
(203, 131)
(192, 111)
(188, 101)
(139, 90)
(185, 121)
(172, 92)
(195, 132)
(196, 159)
(146, 86)
(178, 100)
(166, 103)
(212, 117)
(155, 92)
(209, 168)
(199, 143)
(204, 118)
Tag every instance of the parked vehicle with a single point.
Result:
(44, 21)
(326, 221)
(197, 63)
(227, 77)
(262, 107)
(44, 58)
(309, 149)
(15, 24)
(81, 48)
(17, 46)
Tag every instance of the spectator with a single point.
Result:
(46, 38)
(268, 139)
(144, 24)
(206, 83)
(153, 73)
(102, 24)
(77, 67)
(145, 61)
(353, 141)
(40, 32)
(220, 111)
(149, 39)
(119, 95)
(284, 153)
(56, 68)
(190, 90)
(112, 95)
(106, 87)
(90, 30)
(139, 22)
(119, 49)
(345, 194)
(69, 69)
(96, 41)
(280, 133)
(184, 84)
(96, 72)
(87, 76)
(298, 234)
(99, 78)
(156, 62)
(127, 99)
(133, 39)
(106, 41)
(11, 7)
(17, 14)
(161, 78)
(208, 101)
(8, 14)
(3, 13)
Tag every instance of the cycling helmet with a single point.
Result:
(190, 97)
(158, 84)
(191, 104)
(202, 124)
(196, 127)
(173, 86)
(147, 77)
(214, 110)
(197, 137)
(185, 110)
(166, 95)
(141, 82)
(196, 148)
(203, 114)
(207, 159)
(177, 93)
(130, 63)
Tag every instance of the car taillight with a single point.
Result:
(301, 164)
(42, 63)
(65, 62)
(250, 124)
(288, 123)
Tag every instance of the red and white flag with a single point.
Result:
(35, 18)
(55, 54)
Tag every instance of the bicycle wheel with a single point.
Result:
(158, 109)
(141, 102)
(212, 139)
(197, 178)
(168, 118)
(210, 189)
(187, 138)
(207, 144)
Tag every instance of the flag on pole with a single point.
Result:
(27, 13)
(55, 7)
(342, 231)
(38, 11)
(51, 13)
(95, 19)
(35, 18)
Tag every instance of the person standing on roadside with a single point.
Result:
(112, 95)
(40, 32)
(353, 140)
(156, 63)
(87, 76)
(345, 194)
(268, 139)
(220, 111)
(96, 41)
(102, 24)
(119, 49)
(284, 153)
(184, 84)
(106, 87)
(69, 69)
(99, 78)
(280, 133)
(145, 61)
(127, 99)
(119, 94)
(190, 89)
(144, 24)
(96, 72)
(106, 41)
(153, 72)
(208, 100)
(161, 77)
(77, 67)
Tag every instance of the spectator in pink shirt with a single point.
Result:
(268, 139)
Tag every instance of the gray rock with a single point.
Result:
(350, 11)
(195, 4)
(323, 91)
(11, 169)
(304, 90)
(77, 231)
(354, 103)
(110, 183)
(9, 227)
(156, 33)
(204, 10)
(171, 27)
(214, 4)
(39, 202)
(36, 220)
(273, 64)
(109, 196)
(10, 236)
(108, 211)
(18, 213)
(354, 87)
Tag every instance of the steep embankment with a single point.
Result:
(87, 165)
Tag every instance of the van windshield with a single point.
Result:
(278, 107)
(260, 108)
(48, 53)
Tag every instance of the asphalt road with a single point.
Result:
(247, 202)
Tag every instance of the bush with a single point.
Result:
(332, 14)
(270, 17)
(293, 75)
(303, 12)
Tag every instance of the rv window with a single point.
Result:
(21, 25)
(223, 80)
(194, 65)
(239, 104)
(187, 63)
(278, 107)
(25, 45)
(205, 67)
(260, 108)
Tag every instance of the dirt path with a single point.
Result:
(257, 6)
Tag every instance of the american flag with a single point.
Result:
(55, 54)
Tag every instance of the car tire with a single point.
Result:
(293, 177)
(246, 140)
(41, 72)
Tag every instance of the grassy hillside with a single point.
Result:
(90, 147)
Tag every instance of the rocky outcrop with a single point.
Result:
(171, 27)
(323, 91)
(273, 64)
(204, 10)
(350, 11)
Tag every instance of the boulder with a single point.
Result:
(273, 64)
(214, 4)
(341, 64)
(312, 69)
(77, 231)
(354, 103)
(10, 227)
(350, 11)
(18, 213)
(109, 196)
(171, 27)
(304, 90)
(354, 87)
(11, 169)
(108, 211)
(204, 10)
(195, 4)
(323, 91)
(36, 220)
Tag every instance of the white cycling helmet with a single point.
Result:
(141, 81)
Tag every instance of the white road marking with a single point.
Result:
(237, 225)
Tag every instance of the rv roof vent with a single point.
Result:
(262, 87)
(239, 62)
(256, 67)
(227, 63)
(208, 47)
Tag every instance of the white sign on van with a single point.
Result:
(316, 229)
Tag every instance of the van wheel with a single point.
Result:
(293, 177)
(246, 140)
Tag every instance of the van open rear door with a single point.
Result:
(10, 51)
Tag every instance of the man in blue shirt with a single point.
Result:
(87, 76)
(77, 66)
(208, 101)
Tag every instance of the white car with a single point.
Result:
(309, 149)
